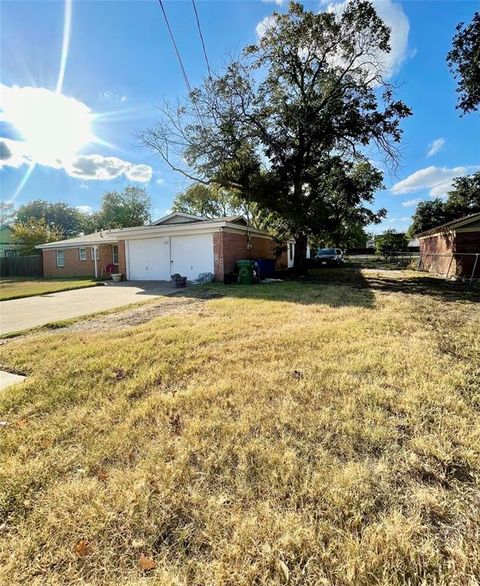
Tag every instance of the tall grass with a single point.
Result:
(302, 433)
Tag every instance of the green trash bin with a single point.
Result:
(245, 272)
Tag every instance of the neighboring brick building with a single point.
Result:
(451, 249)
(179, 243)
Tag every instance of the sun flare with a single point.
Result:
(53, 126)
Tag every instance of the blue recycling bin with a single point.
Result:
(266, 267)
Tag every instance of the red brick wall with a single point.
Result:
(228, 247)
(467, 242)
(122, 261)
(435, 245)
(73, 266)
(446, 244)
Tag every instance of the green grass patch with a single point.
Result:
(19, 287)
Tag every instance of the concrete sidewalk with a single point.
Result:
(30, 312)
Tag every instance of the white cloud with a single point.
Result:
(438, 180)
(106, 168)
(395, 18)
(277, 2)
(264, 24)
(112, 96)
(85, 209)
(435, 146)
(410, 203)
(86, 167)
(159, 181)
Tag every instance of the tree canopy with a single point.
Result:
(66, 219)
(391, 242)
(209, 201)
(32, 232)
(462, 200)
(287, 125)
(464, 62)
(124, 209)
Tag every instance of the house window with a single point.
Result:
(95, 253)
(115, 255)
(60, 258)
(82, 253)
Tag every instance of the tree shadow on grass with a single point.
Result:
(423, 284)
(342, 287)
(338, 288)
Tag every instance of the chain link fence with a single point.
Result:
(462, 266)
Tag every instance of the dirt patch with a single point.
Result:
(137, 315)
(118, 320)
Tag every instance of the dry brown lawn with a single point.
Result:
(18, 287)
(316, 433)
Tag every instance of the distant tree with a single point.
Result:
(390, 242)
(464, 63)
(60, 215)
(8, 213)
(209, 201)
(463, 199)
(32, 232)
(124, 209)
(428, 214)
(288, 123)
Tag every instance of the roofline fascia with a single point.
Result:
(449, 227)
(59, 244)
(188, 228)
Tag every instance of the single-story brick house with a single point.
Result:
(451, 248)
(178, 243)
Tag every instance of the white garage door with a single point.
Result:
(149, 259)
(192, 255)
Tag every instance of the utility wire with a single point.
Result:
(185, 76)
(201, 38)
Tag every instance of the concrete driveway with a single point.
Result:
(30, 312)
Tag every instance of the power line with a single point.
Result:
(185, 76)
(201, 38)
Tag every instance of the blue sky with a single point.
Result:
(119, 63)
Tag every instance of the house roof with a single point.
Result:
(88, 240)
(182, 216)
(451, 226)
(160, 228)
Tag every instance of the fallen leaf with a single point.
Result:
(145, 563)
(83, 548)
(136, 543)
(102, 475)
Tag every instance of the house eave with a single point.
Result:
(61, 245)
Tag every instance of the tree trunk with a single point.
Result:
(300, 255)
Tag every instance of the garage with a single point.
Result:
(149, 259)
(192, 255)
(156, 259)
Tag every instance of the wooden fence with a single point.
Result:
(21, 266)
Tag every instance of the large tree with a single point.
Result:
(213, 201)
(464, 62)
(124, 209)
(69, 220)
(288, 124)
(32, 232)
(463, 199)
(209, 201)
